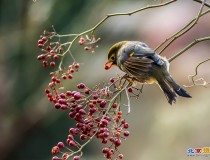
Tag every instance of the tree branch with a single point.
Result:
(188, 47)
(91, 30)
(205, 3)
(184, 30)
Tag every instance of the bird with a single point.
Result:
(143, 65)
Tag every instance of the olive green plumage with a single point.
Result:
(142, 64)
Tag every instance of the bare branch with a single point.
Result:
(129, 103)
(184, 30)
(200, 1)
(104, 19)
(195, 82)
(189, 46)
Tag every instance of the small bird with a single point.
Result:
(143, 65)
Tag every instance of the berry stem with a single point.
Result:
(113, 99)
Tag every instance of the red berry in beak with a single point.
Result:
(106, 67)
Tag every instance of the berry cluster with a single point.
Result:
(89, 42)
(97, 111)
(50, 50)
(56, 83)
(96, 114)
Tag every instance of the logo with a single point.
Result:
(196, 152)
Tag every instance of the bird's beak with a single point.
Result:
(106, 67)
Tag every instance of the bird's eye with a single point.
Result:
(112, 58)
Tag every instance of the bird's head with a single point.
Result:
(112, 55)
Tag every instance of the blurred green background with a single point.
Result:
(29, 124)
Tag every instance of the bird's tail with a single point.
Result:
(171, 89)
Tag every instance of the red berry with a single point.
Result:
(106, 134)
(72, 130)
(40, 45)
(111, 80)
(64, 107)
(48, 48)
(72, 143)
(62, 101)
(64, 77)
(53, 79)
(55, 158)
(82, 111)
(111, 139)
(104, 141)
(65, 156)
(87, 91)
(47, 91)
(107, 68)
(58, 81)
(81, 86)
(55, 150)
(41, 57)
(86, 48)
(81, 43)
(40, 41)
(114, 105)
(44, 39)
(112, 150)
(102, 104)
(78, 108)
(130, 89)
(123, 121)
(72, 70)
(45, 64)
(104, 122)
(91, 105)
(117, 142)
(109, 155)
(48, 57)
(68, 93)
(119, 112)
(55, 57)
(76, 65)
(105, 150)
(125, 125)
(126, 133)
(70, 76)
(95, 96)
(76, 158)
(92, 110)
(83, 137)
(120, 156)
(52, 64)
(82, 39)
(77, 96)
(60, 145)
(72, 114)
(57, 105)
(70, 137)
(52, 51)
(117, 134)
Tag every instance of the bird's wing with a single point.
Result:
(138, 60)
(137, 67)
(142, 50)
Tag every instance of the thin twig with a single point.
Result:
(200, 1)
(107, 17)
(188, 47)
(176, 34)
(200, 79)
(184, 30)
(129, 103)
